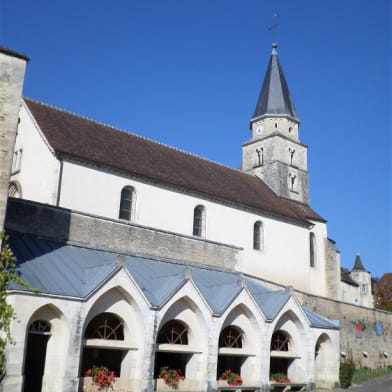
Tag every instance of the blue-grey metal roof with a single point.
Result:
(275, 98)
(318, 321)
(270, 302)
(71, 270)
(157, 280)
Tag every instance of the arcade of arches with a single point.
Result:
(185, 340)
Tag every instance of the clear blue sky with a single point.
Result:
(188, 73)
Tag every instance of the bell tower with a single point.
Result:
(274, 153)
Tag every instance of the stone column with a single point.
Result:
(12, 70)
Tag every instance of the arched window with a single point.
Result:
(231, 354)
(105, 327)
(40, 327)
(230, 337)
(199, 221)
(126, 202)
(280, 341)
(258, 236)
(281, 358)
(173, 332)
(14, 190)
(171, 335)
(312, 249)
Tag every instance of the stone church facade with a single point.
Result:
(146, 256)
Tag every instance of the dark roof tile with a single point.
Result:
(90, 141)
(346, 278)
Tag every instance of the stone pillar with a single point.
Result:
(12, 70)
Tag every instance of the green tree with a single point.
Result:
(383, 293)
(8, 273)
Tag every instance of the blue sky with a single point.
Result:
(188, 74)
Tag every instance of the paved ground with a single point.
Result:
(378, 384)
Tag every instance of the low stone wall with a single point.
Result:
(63, 224)
(353, 342)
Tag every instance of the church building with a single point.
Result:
(144, 256)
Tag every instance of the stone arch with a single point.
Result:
(190, 354)
(186, 311)
(290, 360)
(116, 309)
(45, 341)
(324, 361)
(241, 323)
(118, 301)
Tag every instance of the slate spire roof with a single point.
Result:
(275, 98)
(358, 266)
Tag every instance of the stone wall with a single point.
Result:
(332, 269)
(124, 237)
(352, 342)
(346, 315)
(12, 69)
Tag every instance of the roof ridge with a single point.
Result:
(137, 135)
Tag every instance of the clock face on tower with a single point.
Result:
(259, 130)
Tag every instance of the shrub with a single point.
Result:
(232, 378)
(346, 372)
(102, 376)
(279, 377)
(171, 377)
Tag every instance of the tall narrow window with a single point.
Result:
(198, 221)
(14, 190)
(312, 249)
(126, 203)
(17, 161)
(258, 236)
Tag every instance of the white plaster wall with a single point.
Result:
(317, 279)
(61, 315)
(350, 293)
(286, 245)
(38, 175)
(363, 278)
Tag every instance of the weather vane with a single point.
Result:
(273, 27)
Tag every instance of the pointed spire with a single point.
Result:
(358, 266)
(275, 98)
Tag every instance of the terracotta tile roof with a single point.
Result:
(90, 141)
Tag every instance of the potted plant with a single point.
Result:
(101, 376)
(232, 378)
(279, 377)
(171, 377)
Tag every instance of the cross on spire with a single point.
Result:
(273, 27)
